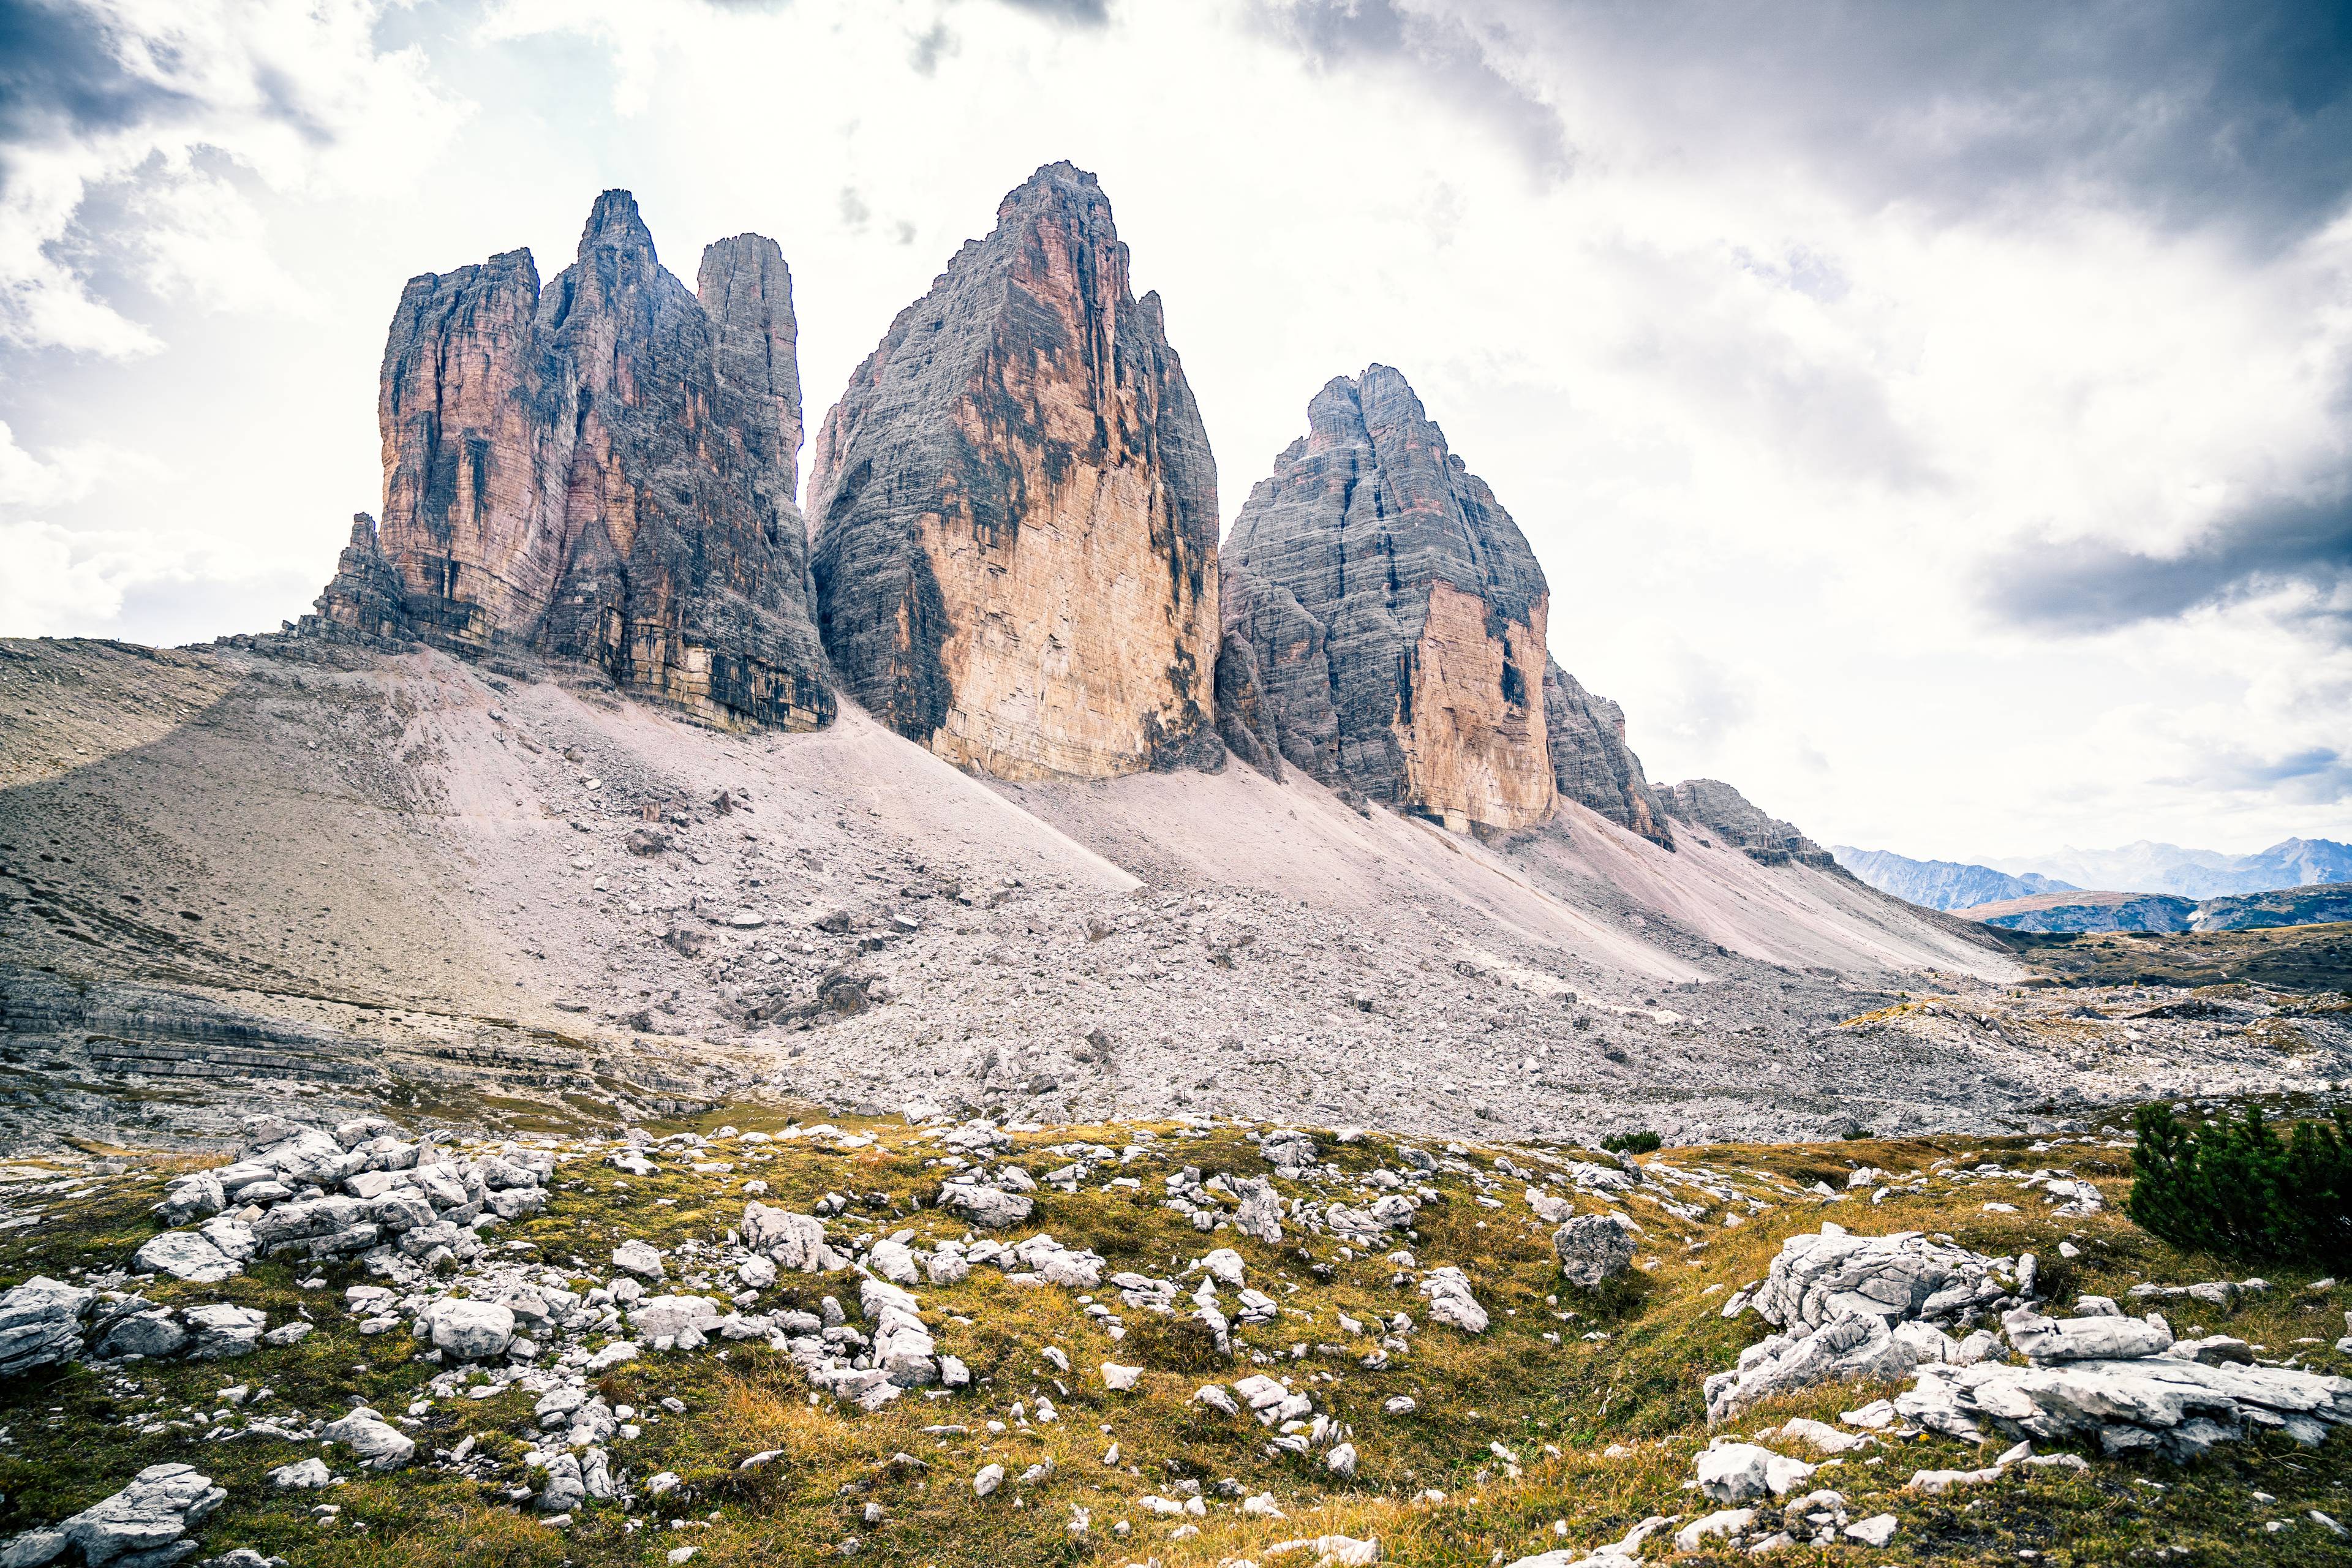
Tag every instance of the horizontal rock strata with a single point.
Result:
(1712, 805)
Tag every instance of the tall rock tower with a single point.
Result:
(1384, 631)
(604, 471)
(1015, 510)
(1396, 614)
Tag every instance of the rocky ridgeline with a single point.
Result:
(602, 471)
(1713, 806)
(1014, 558)
(1017, 510)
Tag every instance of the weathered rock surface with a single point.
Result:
(1591, 762)
(603, 470)
(1817, 1279)
(1714, 805)
(467, 1331)
(1592, 1248)
(2154, 1403)
(1015, 510)
(1859, 1309)
(40, 1324)
(162, 1503)
(1395, 614)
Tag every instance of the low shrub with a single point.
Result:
(1641, 1143)
(2236, 1189)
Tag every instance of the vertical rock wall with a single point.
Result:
(1015, 510)
(604, 471)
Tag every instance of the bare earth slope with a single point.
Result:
(385, 878)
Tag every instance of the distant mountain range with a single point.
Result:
(1941, 884)
(2141, 867)
(2148, 867)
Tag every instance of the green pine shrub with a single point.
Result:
(1642, 1142)
(2238, 1190)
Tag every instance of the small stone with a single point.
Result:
(1875, 1530)
(308, 1474)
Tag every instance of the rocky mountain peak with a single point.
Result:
(615, 222)
(1396, 614)
(746, 289)
(598, 472)
(1385, 625)
(1017, 510)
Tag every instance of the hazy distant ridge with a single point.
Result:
(1941, 884)
(2141, 867)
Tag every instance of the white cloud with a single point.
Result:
(153, 101)
(56, 580)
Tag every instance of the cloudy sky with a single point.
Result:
(1933, 420)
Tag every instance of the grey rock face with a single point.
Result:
(601, 472)
(1015, 510)
(1858, 1308)
(1817, 1280)
(1592, 1248)
(223, 1332)
(154, 1335)
(1714, 805)
(2155, 1404)
(40, 1324)
(792, 1241)
(378, 1444)
(162, 1503)
(990, 1208)
(1591, 762)
(468, 1330)
(184, 1255)
(1855, 1348)
(2104, 1337)
(1396, 614)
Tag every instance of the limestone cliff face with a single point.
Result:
(1015, 510)
(601, 470)
(1591, 762)
(1396, 616)
(1714, 805)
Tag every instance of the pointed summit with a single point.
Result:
(1395, 615)
(1384, 631)
(1015, 510)
(615, 221)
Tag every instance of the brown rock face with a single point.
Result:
(1396, 616)
(1016, 511)
(601, 472)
